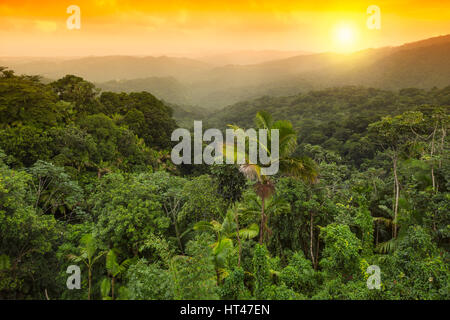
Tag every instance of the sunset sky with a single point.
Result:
(38, 28)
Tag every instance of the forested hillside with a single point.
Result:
(86, 179)
(337, 118)
(167, 88)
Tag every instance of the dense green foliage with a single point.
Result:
(86, 179)
(336, 118)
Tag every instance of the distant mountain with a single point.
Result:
(342, 67)
(424, 43)
(248, 57)
(214, 83)
(423, 64)
(421, 67)
(100, 69)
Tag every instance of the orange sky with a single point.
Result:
(148, 27)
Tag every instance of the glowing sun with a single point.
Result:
(345, 35)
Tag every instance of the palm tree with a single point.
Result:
(225, 231)
(303, 168)
(273, 206)
(88, 249)
(115, 269)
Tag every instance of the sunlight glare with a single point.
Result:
(344, 36)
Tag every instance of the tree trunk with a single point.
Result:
(261, 231)
(311, 233)
(112, 288)
(238, 238)
(432, 162)
(397, 195)
(317, 253)
(89, 284)
(442, 149)
(177, 232)
(218, 277)
(376, 241)
(442, 144)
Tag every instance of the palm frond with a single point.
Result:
(263, 120)
(304, 168)
(287, 137)
(73, 257)
(251, 171)
(105, 288)
(203, 225)
(249, 233)
(387, 247)
(111, 262)
(221, 249)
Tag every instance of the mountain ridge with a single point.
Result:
(421, 64)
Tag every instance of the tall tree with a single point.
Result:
(115, 269)
(394, 136)
(264, 186)
(225, 231)
(88, 255)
